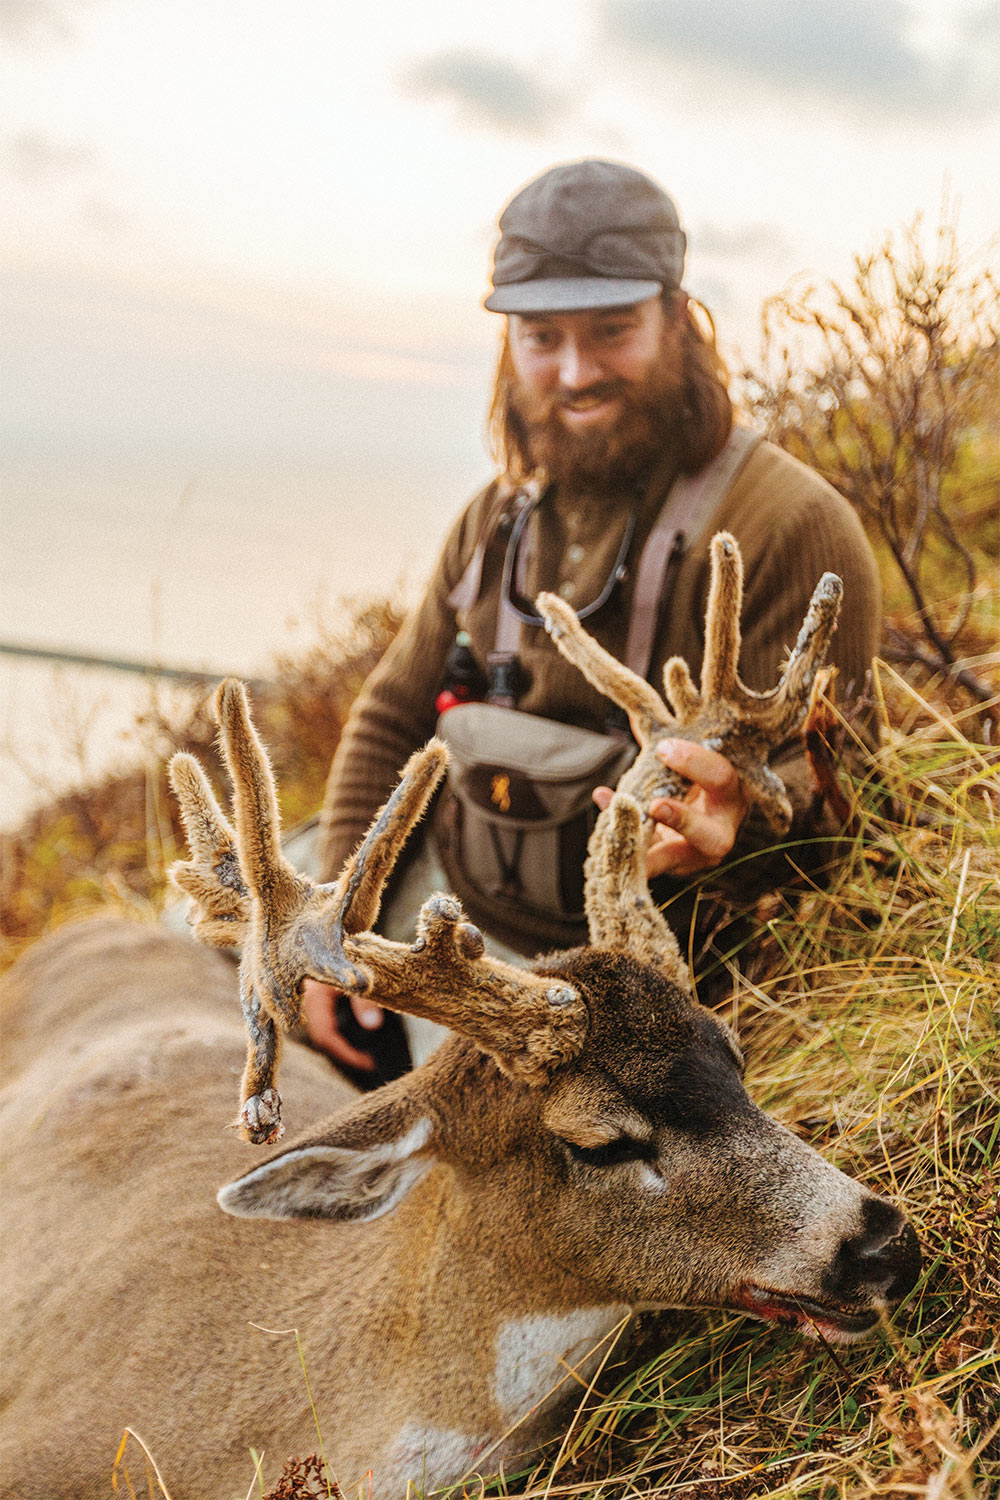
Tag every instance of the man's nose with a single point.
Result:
(578, 367)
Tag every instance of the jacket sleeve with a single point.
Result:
(394, 714)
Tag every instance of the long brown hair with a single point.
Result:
(702, 424)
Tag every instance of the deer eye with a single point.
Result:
(611, 1154)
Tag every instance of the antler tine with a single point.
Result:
(809, 652)
(255, 804)
(351, 905)
(531, 1024)
(259, 1119)
(678, 685)
(292, 934)
(212, 876)
(620, 911)
(362, 880)
(639, 700)
(208, 831)
(722, 620)
(271, 899)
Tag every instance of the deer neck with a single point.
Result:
(466, 1340)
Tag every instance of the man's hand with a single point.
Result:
(319, 1013)
(696, 833)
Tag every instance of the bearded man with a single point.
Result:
(618, 460)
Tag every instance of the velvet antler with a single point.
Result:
(245, 891)
(723, 714)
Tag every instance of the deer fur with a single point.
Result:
(458, 1251)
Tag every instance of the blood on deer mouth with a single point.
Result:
(834, 1321)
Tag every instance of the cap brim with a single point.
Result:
(569, 294)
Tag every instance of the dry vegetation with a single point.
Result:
(869, 1009)
(111, 843)
(869, 1012)
(888, 387)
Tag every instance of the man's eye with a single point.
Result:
(611, 331)
(610, 1154)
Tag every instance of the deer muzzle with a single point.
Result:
(870, 1272)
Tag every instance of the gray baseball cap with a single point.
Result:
(586, 235)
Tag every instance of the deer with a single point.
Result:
(457, 1253)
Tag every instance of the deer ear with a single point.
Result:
(358, 1167)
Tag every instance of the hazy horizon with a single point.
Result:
(246, 359)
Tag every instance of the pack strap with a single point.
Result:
(690, 504)
(466, 590)
(508, 636)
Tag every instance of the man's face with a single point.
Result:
(595, 389)
(580, 363)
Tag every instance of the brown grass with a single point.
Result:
(111, 843)
(869, 1014)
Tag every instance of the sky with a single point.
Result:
(244, 247)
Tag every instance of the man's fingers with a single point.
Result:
(366, 1012)
(706, 768)
(319, 1014)
(709, 836)
(668, 854)
(697, 833)
(340, 1049)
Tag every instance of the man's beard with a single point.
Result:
(612, 456)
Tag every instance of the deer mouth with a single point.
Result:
(837, 1322)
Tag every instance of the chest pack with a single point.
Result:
(516, 812)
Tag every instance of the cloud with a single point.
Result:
(487, 92)
(737, 242)
(29, 22)
(72, 173)
(852, 51)
(33, 156)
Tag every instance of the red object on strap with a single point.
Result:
(448, 699)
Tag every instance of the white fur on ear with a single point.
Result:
(346, 1183)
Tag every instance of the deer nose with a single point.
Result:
(883, 1259)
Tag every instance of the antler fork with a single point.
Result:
(723, 714)
(245, 892)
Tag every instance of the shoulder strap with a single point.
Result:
(691, 501)
(466, 590)
(508, 636)
(690, 504)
